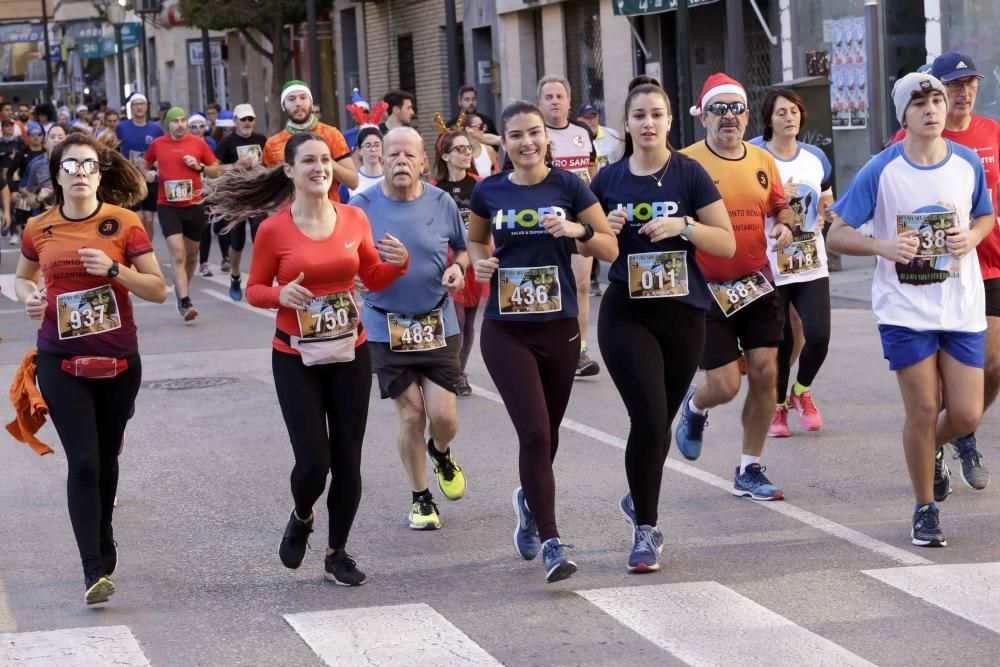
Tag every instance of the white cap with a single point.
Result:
(914, 83)
(196, 117)
(138, 97)
(82, 107)
(243, 111)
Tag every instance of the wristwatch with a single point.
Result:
(588, 232)
(688, 228)
(113, 271)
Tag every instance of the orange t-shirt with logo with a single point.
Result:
(274, 150)
(751, 190)
(52, 240)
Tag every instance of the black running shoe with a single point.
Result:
(109, 553)
(342, 570)
(942, 476)
(294, 542)
(98, 587)
(926, 531)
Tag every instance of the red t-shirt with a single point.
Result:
(180, 185)
(52, 241)
(282, 251)
(982, 136)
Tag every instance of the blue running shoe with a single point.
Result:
(753, 483)
(557, 566)
(690, 430)
(527, 544)
(942, 476)
(973, 473)
(628, 509)
(235, 288)
(647, 545)
(926, 531)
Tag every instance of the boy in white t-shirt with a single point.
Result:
(930, 208)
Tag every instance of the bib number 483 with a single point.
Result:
(418, 335)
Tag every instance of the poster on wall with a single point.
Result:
(849, 74)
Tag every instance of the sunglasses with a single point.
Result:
(461, 149)
(35, 134)
(248, 119)
(720, 108)
(72, 167)
(197, 126)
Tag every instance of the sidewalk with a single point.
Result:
(852, 287)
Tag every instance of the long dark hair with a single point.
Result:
(767, 110)
(644, 89)
(439, 170)
(519, 107)
(122, 184)
(243, 193)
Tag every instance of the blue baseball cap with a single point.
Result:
(952, 65)
(585, 110)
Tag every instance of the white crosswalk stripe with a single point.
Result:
(411, 635)
(705, 623)
(971, 591)
(100, 645)
(7, 286)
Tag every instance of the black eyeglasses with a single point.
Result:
(248, 119)
(720, 108)
(89, 166)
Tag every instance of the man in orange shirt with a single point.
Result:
(297, 102)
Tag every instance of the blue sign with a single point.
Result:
(21, 32)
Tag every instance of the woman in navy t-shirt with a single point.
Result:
(662, 205)
(538, 217)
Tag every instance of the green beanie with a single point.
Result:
(172, 114)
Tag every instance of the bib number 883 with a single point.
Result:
(529, 295)
(737, 293)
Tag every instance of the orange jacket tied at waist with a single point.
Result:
(29, 405)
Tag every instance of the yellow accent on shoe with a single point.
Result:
(453, 488)
(424, 516)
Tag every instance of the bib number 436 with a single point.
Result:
(530, 295)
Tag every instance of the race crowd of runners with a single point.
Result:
(382, 255)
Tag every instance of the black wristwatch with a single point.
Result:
(113, 271)
(588, 233)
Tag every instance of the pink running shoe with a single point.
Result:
(779, 425)
(809, 417)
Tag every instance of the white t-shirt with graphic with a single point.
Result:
(935, 291)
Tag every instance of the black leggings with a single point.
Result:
(812, 302)
(533, 365)
(651, 348)
(206, 241)
(326, 410)
(238, 234)
(467, 325)
(90, 416)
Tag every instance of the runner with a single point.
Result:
(371, 172)
(18, 174)
(452, 173)
(651, 329)
(243, 148)
(36, 184)
(297, 103)
(747, 312)
(930, 206)
(182, 159)
(94, 255)
(800, 271)
(313, 248)
(530, 331)
(484, 157)
(413, 333)
(573, 150)
(136, 134)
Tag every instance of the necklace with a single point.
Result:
(659, 179)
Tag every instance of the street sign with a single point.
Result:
(21, 32)
(640, 7)
(196, 54)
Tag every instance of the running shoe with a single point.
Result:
(235, 288)
(809, 417)
(647, 545)
(779, 424)
(462, 387)
(942, 476)
(595, 287)
(753, 483)
(99, 588)
(451, 479)
(295, 540)
(187, 309)
(109, 554)
(628, 509)
(973, 473)
(424, 514)
(342, 570)
(586, 367)
(14, 239)
(527, 544)
(205, 270)
(691, 429)
(225, 267)
(557, 565)
(926, 531)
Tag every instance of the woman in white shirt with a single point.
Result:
(370, 172)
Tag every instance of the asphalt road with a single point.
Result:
(827, 577)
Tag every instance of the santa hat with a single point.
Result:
(294, 86)
(363, 114)
(717, 84)
(357, 100)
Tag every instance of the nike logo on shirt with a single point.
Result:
(348, 245)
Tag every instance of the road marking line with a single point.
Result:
(7, 285)
(782, 507)
(99, 645)
(7, 622)
(411, 634)
(240, 304)
(971, 591)
(705, 623)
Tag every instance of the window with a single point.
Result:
(407, 65)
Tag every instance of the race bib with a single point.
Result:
(182, 190)
(329, 316)
(735, 295)
(418, 333)
(654, 275)
(135, 157)
(931, 228)
(529, 290)
(251, 151)
(465, 217)
(87, 312)
(798, 258)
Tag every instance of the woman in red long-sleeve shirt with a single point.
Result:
(313, 248)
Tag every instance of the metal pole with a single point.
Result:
(683, 28)
(876, 99)
(451, 35)
(48, 48)
(206, 63)
(143, 54)
(120, 62)
(315, 80)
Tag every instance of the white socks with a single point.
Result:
(747, 460)
(695, 409)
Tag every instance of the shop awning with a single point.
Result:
(641, 7)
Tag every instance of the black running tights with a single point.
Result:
(812, 302)
(325, 408)
(467, 325)
(651, 348)
(533, 365)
